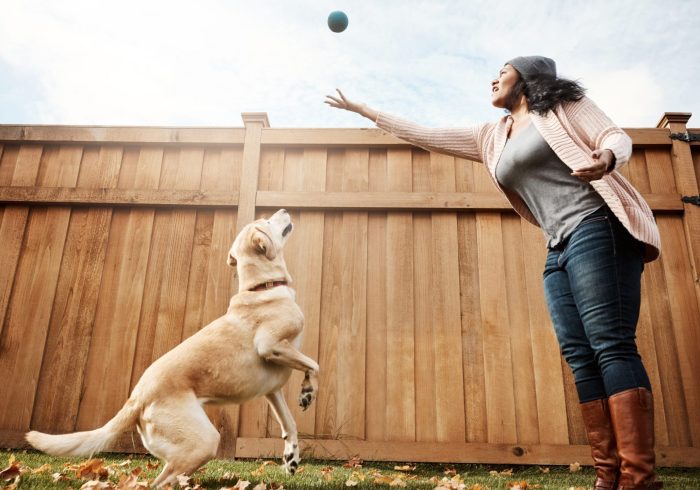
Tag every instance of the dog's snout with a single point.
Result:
(284, 211)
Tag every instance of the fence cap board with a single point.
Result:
(122, 134)
(163, 135)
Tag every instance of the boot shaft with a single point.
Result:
(632, 416)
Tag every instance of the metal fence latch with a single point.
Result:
(691, 200)
(687, 137)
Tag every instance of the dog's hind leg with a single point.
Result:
(289, 430)
(283, 353)
(178, 431)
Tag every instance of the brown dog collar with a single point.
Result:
(268, 285)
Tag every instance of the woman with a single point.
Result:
(554, 157)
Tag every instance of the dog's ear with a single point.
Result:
(262, 243)
(232, 262)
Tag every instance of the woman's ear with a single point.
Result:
(262, 243)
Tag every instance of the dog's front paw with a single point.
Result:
(291, 458)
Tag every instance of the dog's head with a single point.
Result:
(257, 250)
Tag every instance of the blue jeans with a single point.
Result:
(592, 288)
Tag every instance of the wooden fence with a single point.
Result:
(422, 290)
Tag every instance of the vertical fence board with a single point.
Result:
(376, 369)
(524, 388)
(449, 384)
(401, 394)
(353, 299)
(424, 323)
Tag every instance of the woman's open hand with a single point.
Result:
(602, 164)
(341, 102)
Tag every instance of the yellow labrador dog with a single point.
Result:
(248, 352)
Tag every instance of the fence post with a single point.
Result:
(687, 185)
(254, 123)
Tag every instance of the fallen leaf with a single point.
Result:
(397, 482)
(351, 482)
(91, 470)
(261, 468)
(131, 482)
(11, 472)
(96, 485)
(241, 485)
(450, 472)
(574, 467)
(301, 469)
(519, 485)
(353, 463)
(405, 468)
(42, 469)
(57, 477)
(454, 483)
(183, 480)
(276, 486)
(229, 476)
(327, 472)
(544, 470)
(152, 466)
(260, 486)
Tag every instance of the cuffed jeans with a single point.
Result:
(592, 288)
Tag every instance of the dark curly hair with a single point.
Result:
(544, 93)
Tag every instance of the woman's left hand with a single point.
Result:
(602, 160)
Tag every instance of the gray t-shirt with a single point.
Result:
(558, 200)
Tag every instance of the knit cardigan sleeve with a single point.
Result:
(469, 143)
(598, 131)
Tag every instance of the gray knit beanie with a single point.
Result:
(530, 66)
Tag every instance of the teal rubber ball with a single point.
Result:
(337, 21)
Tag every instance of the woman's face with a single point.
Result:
(503, 86)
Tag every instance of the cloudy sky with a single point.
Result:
(203, 62)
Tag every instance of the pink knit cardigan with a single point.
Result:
(573, 130)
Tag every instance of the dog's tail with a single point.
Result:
(89, 442)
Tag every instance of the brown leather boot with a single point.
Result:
(601, 438)
(632, 415)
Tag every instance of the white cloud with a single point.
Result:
(203, 63)
(628, 96)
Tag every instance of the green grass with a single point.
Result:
(320, 474)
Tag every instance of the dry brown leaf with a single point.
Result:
(276, 486)
(327, 472)
(477, 486)
(301, 469)
(450, 472)
(351, 482)
(91, 470)
(42, 469)
(405, 467)
(183, 480)
(379, 479)
(353, 463)
(241, 485)
(152, 466)
(229, 476)
(544, 470)
(519, 485)
(11, 472)
(260, 486)
(397, 482)
(261, 468)
(574, 467)
(96, 485)
(454, 483)
(57, 477)
(131, 481)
